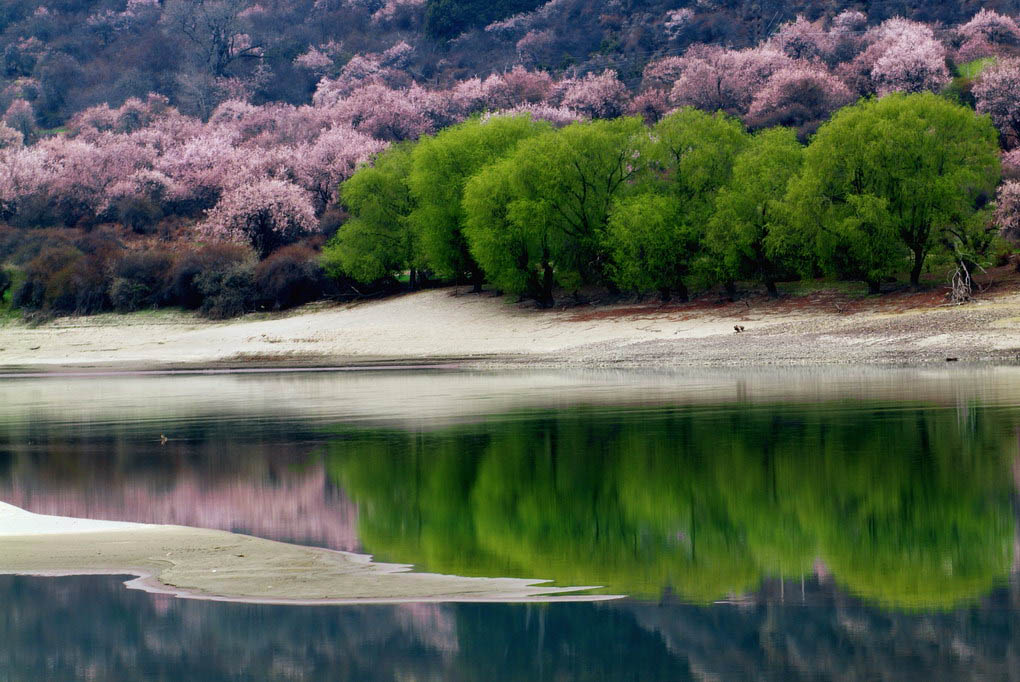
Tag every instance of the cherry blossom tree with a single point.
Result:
(902, 56)
(996, 92)
(266, 214)
(597, 95)
(383, 113)
(803, 39)
(797, 95)
(23, 173)
(716, 79)
(516, 87)
(663, 73)
(1007, 210)
(10, 138)
(1011, 164)
(331, 159)
(651, 105)
(991, 27)
(19, 115)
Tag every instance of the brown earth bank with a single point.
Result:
(809, 324)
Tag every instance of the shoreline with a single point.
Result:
(449, 329)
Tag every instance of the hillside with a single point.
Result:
(66, 55)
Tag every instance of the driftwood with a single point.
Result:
(962, 284)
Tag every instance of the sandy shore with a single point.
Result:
(453, 326)
(217, 565)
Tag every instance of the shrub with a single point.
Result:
(141, 281)
(5, 283)
(227, 292)
(139, 213)
(289, 277)
(49, 281)
(183, 288)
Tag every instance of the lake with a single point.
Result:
(760, 524)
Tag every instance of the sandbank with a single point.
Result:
(216, 565)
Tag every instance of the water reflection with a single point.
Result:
(91, 628)
(904, 505)
(855, 524)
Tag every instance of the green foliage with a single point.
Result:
(904, 174)
(377, 242)
(751, 204)
(652, 244)
(441, 167)
(656, 235)
(554, 195)
(973, 69)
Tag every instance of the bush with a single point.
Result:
(141, 281)
(5, 283)
(49, 281)
(183, 288)
(227, 292)
(289, 277)
(139, 214)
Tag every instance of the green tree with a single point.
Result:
(442, 165)
(749, 206)
(540, 217)
(916, 169)
(377, 241)
(656, 236)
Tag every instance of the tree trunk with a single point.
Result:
(915, 272)
(547, 281)
(682, 293)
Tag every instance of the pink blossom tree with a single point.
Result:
(516, 87)
(23, 172)
(803, 39)
(380, 112)
(798, 95)
(991, 27)
(19, 115)
(597, 95)
(651, 105)
(997, 92)
(716, 79)
(10, 138)
(902, 56)
(1007, 210)
(266, 214)
(662, 73)
(331, 159)
(1011, 164)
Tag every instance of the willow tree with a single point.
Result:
(751, 205)
(539, 217)
(377, 241)
(656, 233)
(888, 182)
(441, 166)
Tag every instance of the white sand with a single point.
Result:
(18, 522)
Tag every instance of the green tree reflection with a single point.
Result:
(907, 506)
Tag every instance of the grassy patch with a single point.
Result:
(974, 68)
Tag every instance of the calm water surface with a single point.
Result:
(776, 525)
